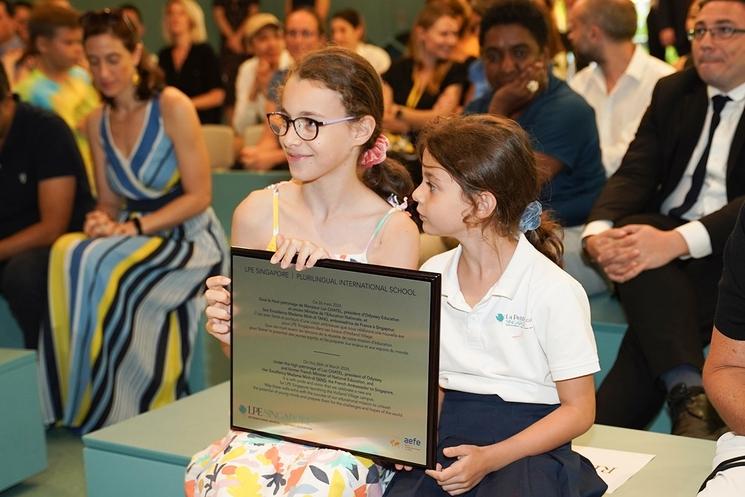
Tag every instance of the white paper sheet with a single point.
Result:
(614, 466)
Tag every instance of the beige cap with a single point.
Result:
(257, 22)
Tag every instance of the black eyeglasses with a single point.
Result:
(305, 127)
(717, 32)
(106, 17)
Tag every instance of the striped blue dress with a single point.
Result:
(124, 310)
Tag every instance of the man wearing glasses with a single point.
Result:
(659, 227)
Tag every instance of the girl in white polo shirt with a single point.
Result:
(517, 350)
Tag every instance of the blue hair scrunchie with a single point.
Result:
(531, 218)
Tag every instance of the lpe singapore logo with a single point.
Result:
(408, 443)
(258, 412)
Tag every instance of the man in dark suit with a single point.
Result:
(659, 227)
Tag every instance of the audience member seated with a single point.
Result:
(14, 56)
(320, 7)
(189, 63)
(303, 35)
(128, 292)
(229, 17)
(43, 194)
(479, 85)
(685, 61)
(9, 39)
(619, 83)
(724, 371)
(618, 86)
(660, 224)
(21, 15)
(58, 83)
(348, 31)
(669, 28)
(263, 37)
(468, 49)
(514, 41)
(426, 83)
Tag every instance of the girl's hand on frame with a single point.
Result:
(307, 253)
(98, 224)
(465, 473)
(218, 308)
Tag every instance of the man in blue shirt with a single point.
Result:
(514, 48)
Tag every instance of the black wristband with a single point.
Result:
(138, 224)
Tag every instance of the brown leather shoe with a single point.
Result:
(692, 413)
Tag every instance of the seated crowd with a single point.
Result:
(107, 235)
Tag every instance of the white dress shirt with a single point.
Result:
(619, 112)
(713, 195)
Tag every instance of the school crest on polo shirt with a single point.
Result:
(514, 320)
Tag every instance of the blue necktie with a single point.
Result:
(697, 181)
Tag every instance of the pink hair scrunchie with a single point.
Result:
(376, 154)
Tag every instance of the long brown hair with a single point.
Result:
(427, 17)
(115, 23)
(361, 91)
(486, 153)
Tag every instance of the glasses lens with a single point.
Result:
(277, 123)
(722, 31)
(306, 128)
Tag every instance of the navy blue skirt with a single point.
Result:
(474, 419)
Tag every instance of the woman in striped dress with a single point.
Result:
(125, 296)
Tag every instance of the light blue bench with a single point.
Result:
(609, 325)
(23, 450)
(147, 455)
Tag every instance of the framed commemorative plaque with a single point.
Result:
(342, 355)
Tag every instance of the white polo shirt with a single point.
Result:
(532, 328)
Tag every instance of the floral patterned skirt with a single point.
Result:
(250, 465)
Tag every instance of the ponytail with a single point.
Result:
(546, 238)
(389, 177)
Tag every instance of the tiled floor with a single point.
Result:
(64, 476)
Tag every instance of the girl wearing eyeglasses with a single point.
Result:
(329, 125)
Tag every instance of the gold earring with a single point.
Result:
(136, 79)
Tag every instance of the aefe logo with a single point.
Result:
(409, 443)
(412, 442)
